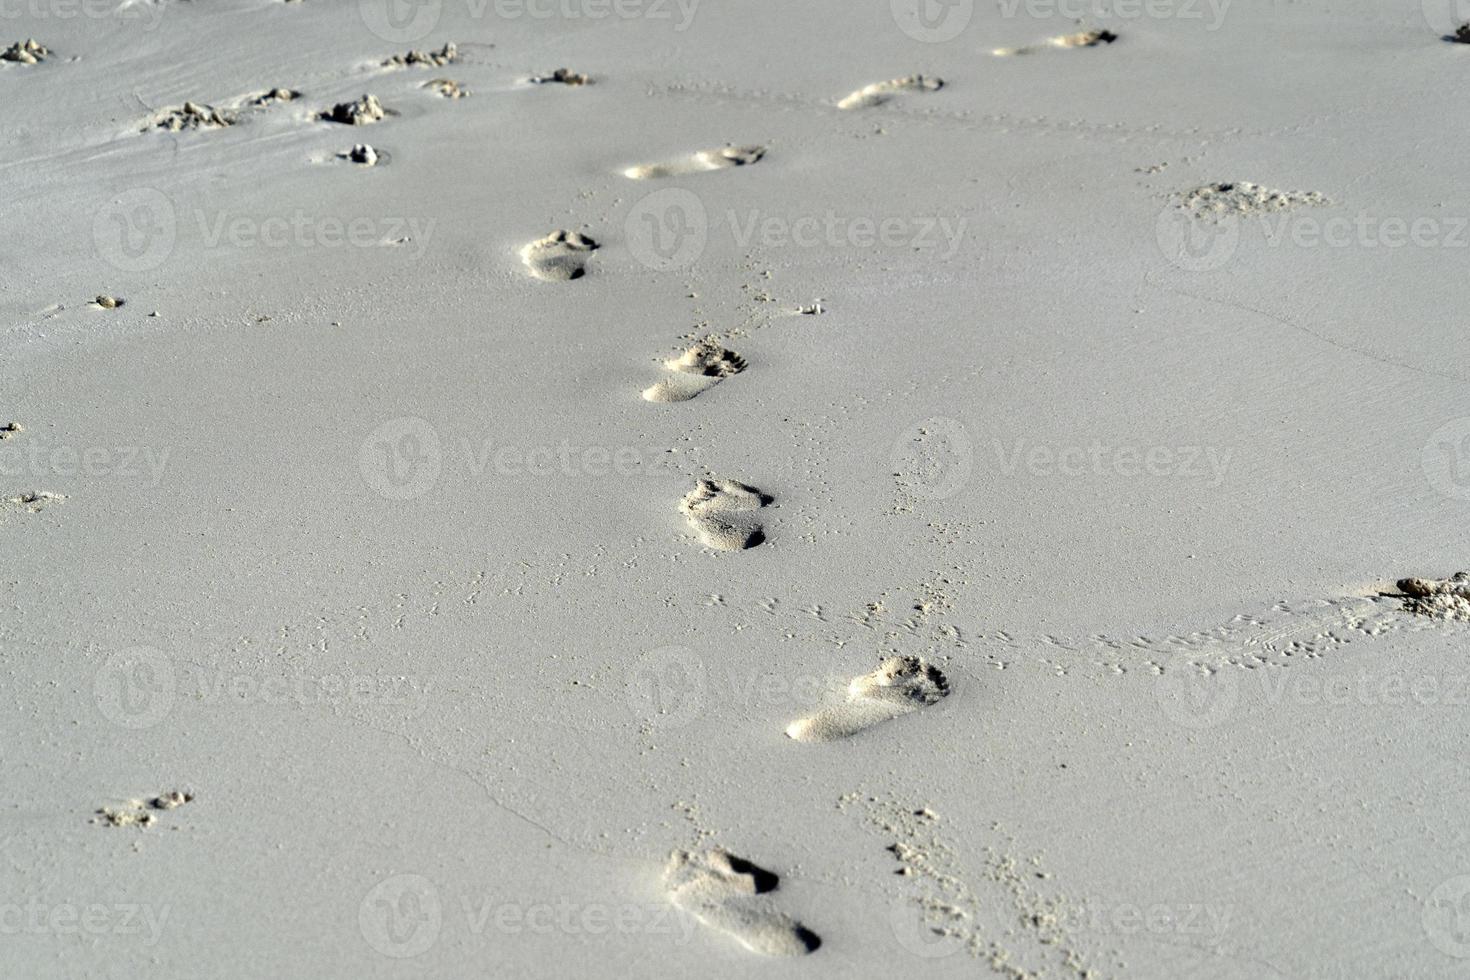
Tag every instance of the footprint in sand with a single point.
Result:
(447, 88)
(881, 92)
(1438, 598)
(899, 686)
(728, 893)
(724, 514)
(559, 257)
(1082, 39)
(696, 163)
(694, 372)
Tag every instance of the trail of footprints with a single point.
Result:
(727, 893)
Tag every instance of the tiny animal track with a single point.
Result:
(730, 894)
(900, 686)
(694, 372)
(699, 162)
(724, 514)
(559, 257)
(880, 92)
(1081, 39)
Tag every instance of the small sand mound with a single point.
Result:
(27, 52)
(361, 154)
(273, 97)
(1438, 598)
(562, 76)
(360, 112)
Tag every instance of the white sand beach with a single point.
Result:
(664, 488)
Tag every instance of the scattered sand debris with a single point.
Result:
(434, 59)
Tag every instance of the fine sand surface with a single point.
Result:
(743, 489)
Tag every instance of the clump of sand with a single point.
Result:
(361, 154)
(562, 76)
(359, 112)
(1438, 598)
(428, 59)
(191, 115)
(27, 52)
